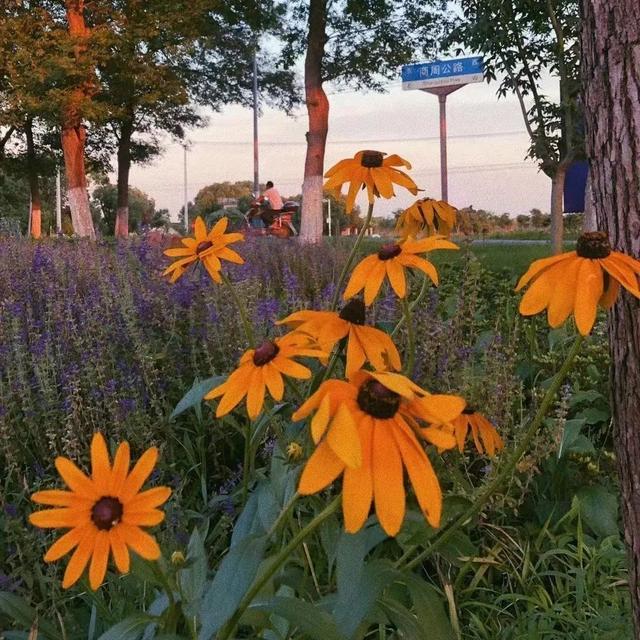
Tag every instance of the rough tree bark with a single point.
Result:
(611, 76)
(589, 222)
(124, 166)
(318, 110)
(73, 131)
(34, 182)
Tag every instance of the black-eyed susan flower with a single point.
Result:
(364, 343)
(365, 429)
(485, 436)
(262, 370)
(391, 261)
(578, 282)
(104, 512)
(207, 247)
(437, 216)
(372, 170)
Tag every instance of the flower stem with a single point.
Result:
(505, 471)
(278, 561)
(414, 303)
(242, 310)
(411, 338)
(246, 468)
(350, 259)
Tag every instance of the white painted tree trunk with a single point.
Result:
(311, 225)
(589, 223)
(78, 199)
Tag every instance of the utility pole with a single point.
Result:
(256, 176)
(444, 178)
(186, 193)
(58, 203)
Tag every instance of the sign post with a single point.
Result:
(441, 78)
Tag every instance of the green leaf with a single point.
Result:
(234, 577)
(404, 621)
(374, 579)
(130, 628)
(193, 575)
(592, 415)
(18, 610)
(194, 396)
(429, 609)
(599, 510)
(570, 434)
(309, 619)
(458, 546)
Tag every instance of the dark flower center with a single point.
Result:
(203, 246)
(593, 244)
(266, 352)
(371, 159)
(353, 311)
(468, 410)
(106, 513)
(378, 401)
(389, 251)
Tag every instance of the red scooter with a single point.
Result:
(274, 222)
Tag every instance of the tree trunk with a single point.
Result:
(34, 184)
(611, 76)
(124, 165)
(557, 213)
(73, 131)
(318, 110)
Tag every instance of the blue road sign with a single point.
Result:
(442, 73)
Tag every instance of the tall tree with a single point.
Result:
(349, 44)
(74, 131)
(522, 41)
(168, 58)
(611, 76)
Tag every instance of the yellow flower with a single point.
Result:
(484, 434)
(364, 343)
(104, 512)
(391, 261)
(578, 281)
(294, 451)
(263, 369)
(365, 428)
(437, 215)
(209, 248)
(372, 170)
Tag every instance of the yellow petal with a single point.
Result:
(540, 265)
(537, 296)
(590, 286)
(139, 474)
(99, 560)
(322, 468)
(119, 550)
(388, 485)
(563, 296)
(100, 465)
(142, 543)
(320, 420)
(423, 478)
(357, 486)
(75, 479)
(343, 438)
(79, 560)
(395, 273)
(67, 542)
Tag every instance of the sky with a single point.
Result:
(486, 149)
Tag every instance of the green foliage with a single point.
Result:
(521, 41)
(104, 200)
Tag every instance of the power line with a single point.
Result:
(299, 143)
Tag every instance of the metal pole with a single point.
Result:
(444, 189)
(186, 195)
(58, 203)
(329, 214)
(256, 177)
